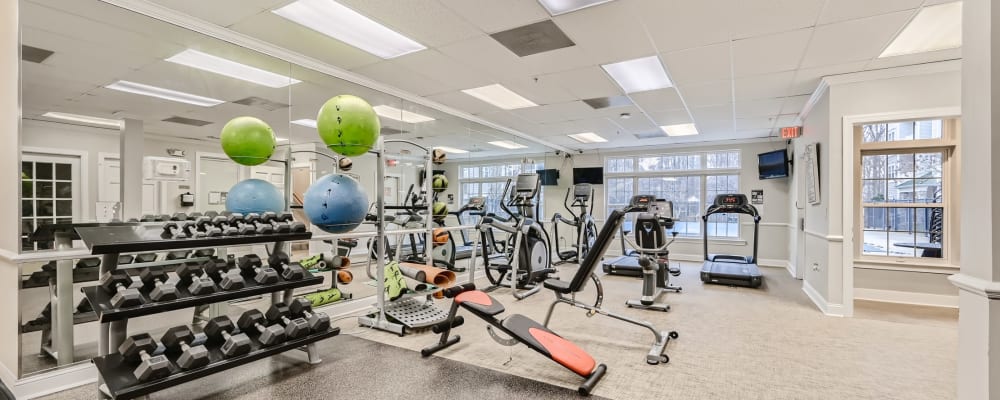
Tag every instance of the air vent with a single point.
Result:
(650, 135)
(34, 54)
(392, 131)
(260, 102)
(187, 121)
(533, 39)
(598, 103)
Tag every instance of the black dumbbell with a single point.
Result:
(148, 218)
(139, 349)
(221, 330)
(219, 270)
(198, 283)
(173, 229)
(259, 225)
(178, 340)
(194, 215)
(156, 281)
(92, 262)
(239, 222)
(277, 224)
(289, 270)
(211, 214)
(221, 222)
(204, 225)
(118, 282)
(178, 254)
(250, 264)
(293, 226)
(179, 217)
(278, 315)
(318, 322)
(191, 229)
(203, 253)
(145, 257)
(125, 259)
(255, 320)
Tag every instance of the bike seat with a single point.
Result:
(557, 285)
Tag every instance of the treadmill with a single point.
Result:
(727, 269)
(628, 263)
(475, 206)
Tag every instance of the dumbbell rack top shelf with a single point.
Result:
(122, 384)
(101, 300)
(132, 239)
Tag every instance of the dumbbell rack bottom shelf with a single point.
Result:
(101, 300)
(121, 383)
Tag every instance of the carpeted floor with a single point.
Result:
(768, 343)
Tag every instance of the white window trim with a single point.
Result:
(85, 208)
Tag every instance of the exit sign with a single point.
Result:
(791, 132)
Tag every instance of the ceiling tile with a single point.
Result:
(842, 10)
(807, 79)
(638, 123)
(391, 73)
(768, 54)
(707, 94)
(746, 124)
(764, 86)
(714, 126)
(787, 120)
(684, 24)
(794, 104)
(671, 117)
(539, 91)
(658, 100)
(428, 22)
(919, 58)
(758, 108)
(607, 42)
(555, 112)
(223, 13)
(719, 112)
(760, 17)
(493, 16)
(701, 64)
(485, 54)
(585, 83)
(855, 40)
(462, 101)
(452, 74)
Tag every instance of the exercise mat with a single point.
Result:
(324, 297)
(437, 276)
(412, 273)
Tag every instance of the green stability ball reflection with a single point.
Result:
(248, 140)
(254, 196)
(335, 203)
(348, 125)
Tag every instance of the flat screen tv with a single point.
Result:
(593, 176)
(549, 177)
(773, 164)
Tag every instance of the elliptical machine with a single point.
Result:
(651, 247)
(586, 228)
(526, 262)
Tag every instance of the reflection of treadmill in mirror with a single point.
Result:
(726, 269)
(628, 263)
(475, 208)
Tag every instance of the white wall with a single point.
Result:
(775, 223)
(920, 87)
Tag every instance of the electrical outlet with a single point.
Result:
(815, 267)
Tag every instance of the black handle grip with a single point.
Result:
(457, 290)
(455, 323)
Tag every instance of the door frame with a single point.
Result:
(85, 213)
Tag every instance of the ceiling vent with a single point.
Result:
(187, 121)
(34, 54)
(260, 102)
(598, 103)
(535, 38)
(658, 134)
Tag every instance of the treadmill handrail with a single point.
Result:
(746, 209)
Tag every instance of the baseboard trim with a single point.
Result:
(55, 381)
(763, 262)
(832, 310)
(790, 268)
(901, 297)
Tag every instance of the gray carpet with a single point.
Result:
(353, 368)
(767, 343)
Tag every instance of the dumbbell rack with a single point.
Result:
(115, 379)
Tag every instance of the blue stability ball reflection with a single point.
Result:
(254, 196)
(336, 203)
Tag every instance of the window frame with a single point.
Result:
(702, 173)
(499, 172)
(947, 146)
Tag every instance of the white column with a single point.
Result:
(10, 180)
(132, 149)
(979, 299)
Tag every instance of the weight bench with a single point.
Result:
(522, 330)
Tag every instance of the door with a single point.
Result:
(215, 174)
(275, 175)
(50, 193)
(109, 177)
(391, 194)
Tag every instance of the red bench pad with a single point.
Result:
(479, 302)
(544, 341)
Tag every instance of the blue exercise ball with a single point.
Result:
(254, 196)
(336, 203)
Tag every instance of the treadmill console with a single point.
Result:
(733, 199)
(582, 191)
(642, 201)
(526, 186)
(476, 203)
(662, 209)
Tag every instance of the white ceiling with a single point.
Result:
(741, 68)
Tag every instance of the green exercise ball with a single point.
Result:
(248, 140)
(348, 125)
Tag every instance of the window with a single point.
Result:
(691, 181)
(489, 180)
(902, 189)
(48, 186)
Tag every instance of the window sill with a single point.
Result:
(907, 266)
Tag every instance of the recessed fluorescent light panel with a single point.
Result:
(166, 94)
(346, 25)
(588, 137)
(84, 119)
(507, 144)
(498, 95)
(451, 150)
(680, 130)
(934, 28)
(556, 7)
(280, 139)
(401, 115)
(232, 69)
(308, 123)
(639, 75)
